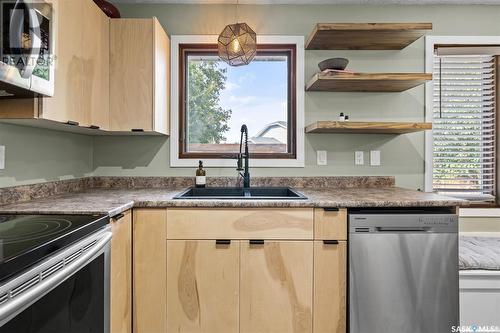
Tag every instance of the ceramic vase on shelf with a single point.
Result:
(108, 8)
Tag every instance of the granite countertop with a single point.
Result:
(115, 201)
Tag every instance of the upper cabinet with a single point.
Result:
(110, 75)
(96, 65)
(139, 76)
(82, 66)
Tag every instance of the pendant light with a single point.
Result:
(237, 43)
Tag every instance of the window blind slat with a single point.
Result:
(464, 126)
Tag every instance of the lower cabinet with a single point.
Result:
(330, 286)
(121, 274)
(183, 283)
(202, 286)
(149, 270)
(235, 286)
(276, 287)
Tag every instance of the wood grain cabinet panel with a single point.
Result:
(149, 270)
(68, 102)
(330, 224)
(202, 286)
(121, 274)
(330, 287)
(237, 223)
(276, 287)
(139, 75)
(95, 65)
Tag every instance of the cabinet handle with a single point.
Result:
(94, 127)
(331, 209)
(137, 130)
(256, 241)
(73, 123)
(330, 242)
(222, 241)
(119, 216)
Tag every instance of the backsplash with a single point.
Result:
(37, 191)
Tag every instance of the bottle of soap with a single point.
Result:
(341, 116)
(201, 179)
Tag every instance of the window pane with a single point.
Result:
(464, 126)
(221, 98)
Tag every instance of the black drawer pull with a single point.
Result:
(137, 130)
(73, 123)
(256, 241)
(118, 216)
(222, 241)
(94, 127)
(330, 242)
(331, 209)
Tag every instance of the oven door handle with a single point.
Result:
(15, 305)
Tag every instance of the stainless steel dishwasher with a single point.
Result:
(403, 271)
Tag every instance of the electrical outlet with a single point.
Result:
(321, 157)
(375, 157)
(2, 157)
(359, 158)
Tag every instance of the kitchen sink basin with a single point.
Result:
(232, 193)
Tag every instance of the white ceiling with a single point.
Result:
(317, 2)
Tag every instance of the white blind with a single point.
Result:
(464, 126)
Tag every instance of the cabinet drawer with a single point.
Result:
(235, 223)
(330, 224)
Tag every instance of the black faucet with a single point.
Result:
(245, 174)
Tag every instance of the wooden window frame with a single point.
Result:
(289, 50)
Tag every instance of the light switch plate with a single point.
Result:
(321, 157)
(2, 157)
(375, 157)
(359, 158)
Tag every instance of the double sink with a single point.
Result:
(239, 193)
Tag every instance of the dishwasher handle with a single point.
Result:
(403, 229)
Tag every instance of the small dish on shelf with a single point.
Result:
(333, 63)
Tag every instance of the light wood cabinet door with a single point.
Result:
(67, 104)
(276, 285)
(240, 223)
(131, 74)
(139, 75)
(95, 65)
(330, 223)
(202, 286)
(121, 274)
(149, 270)
(330, 288)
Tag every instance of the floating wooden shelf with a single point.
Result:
(366, 82)
(365, 36)
(366, 127)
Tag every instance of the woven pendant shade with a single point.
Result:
(237, 44)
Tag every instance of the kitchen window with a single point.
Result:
(211, 100)
(464, 135)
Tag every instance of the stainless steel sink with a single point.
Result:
(252, 193)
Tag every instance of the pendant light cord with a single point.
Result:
(237, 2)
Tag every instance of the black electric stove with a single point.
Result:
(27, 239)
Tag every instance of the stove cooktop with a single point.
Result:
(27, 239)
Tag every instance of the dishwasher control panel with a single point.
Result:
(387, 223)
(437, 220)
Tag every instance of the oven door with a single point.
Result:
(68, 293)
